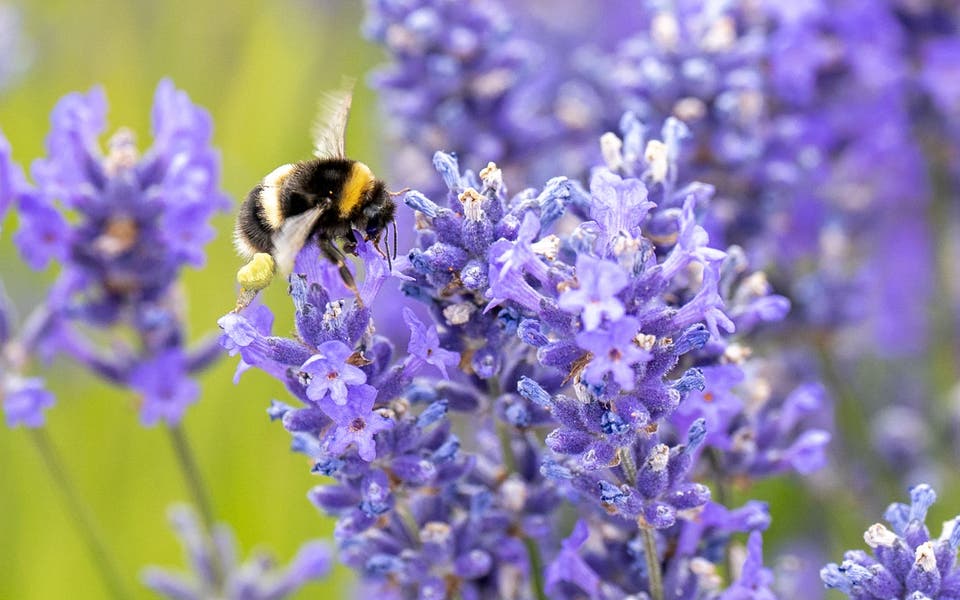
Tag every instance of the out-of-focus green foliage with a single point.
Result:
(258, 67)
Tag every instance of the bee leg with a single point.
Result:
(385, 251)
(376, 246)
(330, 250)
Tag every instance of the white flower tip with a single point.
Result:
(656, 156)
(926, 557)
(878, 535)
(659, 457)
(548, 247)
(611, 147)
(472, 202)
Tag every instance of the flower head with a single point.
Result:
(121, 225)
(330, 373)
(615, 351)
(906, 561)
(595, 297)
(425, 344)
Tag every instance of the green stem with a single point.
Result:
(506, 447)
(191, 474)
(536, 569)
(653, 562)
(80, 514)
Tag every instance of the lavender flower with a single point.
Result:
(614, 309)
(329, 373)
(802, 119)
(216, 572)
(121, 226)
(425, 344)
(906, 562)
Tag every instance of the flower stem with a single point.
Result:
(80, 515)
(536, 569)
(191, 474)
(653, 562)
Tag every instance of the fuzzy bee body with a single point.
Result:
(326, 197)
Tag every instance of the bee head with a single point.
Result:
(379, 211)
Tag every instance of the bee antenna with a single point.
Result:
(403, 191)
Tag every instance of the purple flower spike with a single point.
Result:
(25, 400)
(600, 281)
(330, 373)
(121, 223)
(907, 562)
(425, 344)
(615, 351)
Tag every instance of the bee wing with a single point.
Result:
(332, 112)
(290, 238)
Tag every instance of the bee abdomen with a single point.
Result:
(253, 232)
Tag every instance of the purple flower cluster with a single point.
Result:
(216, 572)
(570, 325)
(803, 119)
(121, 226)
(906, 561)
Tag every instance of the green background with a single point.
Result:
(258, 67)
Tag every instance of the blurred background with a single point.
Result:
(258, 67)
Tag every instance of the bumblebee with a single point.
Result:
(326, 197)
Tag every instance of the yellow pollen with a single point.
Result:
(258, 273)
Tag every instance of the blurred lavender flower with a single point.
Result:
(906, 561)
(217, 573)
(801, 114)
(121, 226)
(24, 399)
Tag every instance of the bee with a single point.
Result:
(326, 197)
